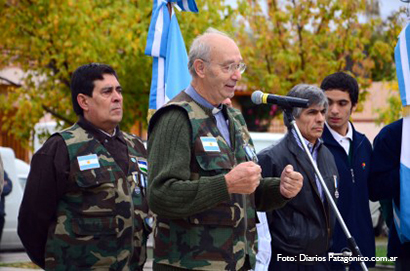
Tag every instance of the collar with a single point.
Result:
(98, 133)
(202, 101)
(338, 137)
(312, 147)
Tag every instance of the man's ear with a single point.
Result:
(199, 66)
(82, 101)
(354, 107)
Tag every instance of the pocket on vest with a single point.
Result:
(94, 226)
(94, 177)
(214, 161)
(97, 195)
(224, 214)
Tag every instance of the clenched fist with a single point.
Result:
(290, 182)
(244, 178)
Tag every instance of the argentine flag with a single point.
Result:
(166, 45)
(402, 214)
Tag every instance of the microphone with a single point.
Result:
(258, 97)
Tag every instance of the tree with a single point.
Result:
(49, 39)
(293, 41)
(393, 110)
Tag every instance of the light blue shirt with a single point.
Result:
(221, 122)
(313, 151)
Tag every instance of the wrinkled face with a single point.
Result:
(340, 109)
(219, 80)
(311, 122)
(104, 108)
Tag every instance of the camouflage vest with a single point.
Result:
(101, 219)
(219, 238)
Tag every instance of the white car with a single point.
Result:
(264, 140)
(17, 170)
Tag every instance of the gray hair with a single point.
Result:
(314, 94)
(201, 49)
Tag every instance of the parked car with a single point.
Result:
(264, 140)
(17, 171)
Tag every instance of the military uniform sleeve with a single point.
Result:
(267, 195)
(171, 193)
(46, 183)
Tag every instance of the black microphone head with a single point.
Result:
(257, 97)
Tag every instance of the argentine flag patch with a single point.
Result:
(88, 162)
(210, 144)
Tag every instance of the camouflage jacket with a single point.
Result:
(101, 220)
(218, 238)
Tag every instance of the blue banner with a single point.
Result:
(402, 212)
(166, 45)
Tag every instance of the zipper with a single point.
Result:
(232, 149)
(246, 222)
(132, 218)
(352, 172)
(352, 162)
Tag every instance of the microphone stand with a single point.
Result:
(350, 239)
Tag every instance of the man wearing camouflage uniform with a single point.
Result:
(84, 206)
(204, 184)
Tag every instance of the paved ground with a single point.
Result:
(18, 257)
(14, 257)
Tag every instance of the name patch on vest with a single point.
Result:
(210, 144)
(88, 162)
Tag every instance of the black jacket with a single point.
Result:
(305, 224)
(384, 182)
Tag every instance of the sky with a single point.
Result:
(388, 6)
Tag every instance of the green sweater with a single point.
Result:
(170, 192)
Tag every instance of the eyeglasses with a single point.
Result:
(231, 68)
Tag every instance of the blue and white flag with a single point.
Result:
(402, 214)
(88, 162)
(166, 45)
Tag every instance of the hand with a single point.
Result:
(244, 178)
(290, 182)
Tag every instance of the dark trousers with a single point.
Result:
(402, 264)
(2, 220)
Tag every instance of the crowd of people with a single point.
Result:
(95, 193)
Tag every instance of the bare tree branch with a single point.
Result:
(58, 116)
(10, 82)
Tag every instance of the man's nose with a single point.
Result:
(236, 75)
(117, 96)
(321, 117)
(333, 109)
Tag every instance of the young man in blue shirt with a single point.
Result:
(352, 152)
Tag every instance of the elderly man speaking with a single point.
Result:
(204, 185)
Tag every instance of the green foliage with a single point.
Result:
(285, 43)
(393, 110)
(289, 42)
(49, 39)
(382, 44)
